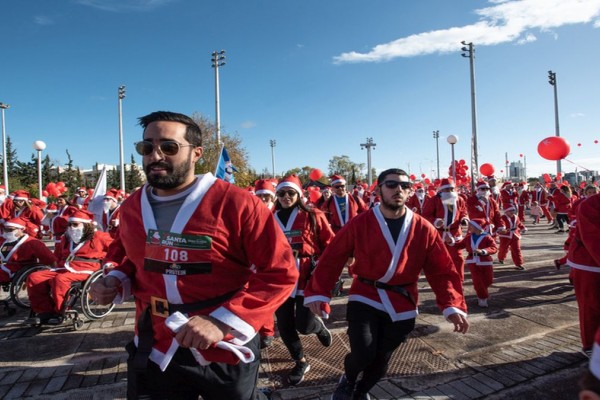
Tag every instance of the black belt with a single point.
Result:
(401, 289)
(92, 260)
(163, 308)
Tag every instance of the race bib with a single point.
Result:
(177, 254)
(294, 237)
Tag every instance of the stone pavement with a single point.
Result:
(524, 346)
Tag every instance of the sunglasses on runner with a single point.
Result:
(168, 147)
(290, 193)
(395, 184)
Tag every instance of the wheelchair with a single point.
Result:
(77, 298)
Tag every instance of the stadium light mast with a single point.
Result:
(436, 136)
(218, 60)
(468, 51)
(273, 143)
(4, 155)
(368, 146)
(121, 93)
(552, 82)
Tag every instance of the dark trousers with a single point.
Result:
(373, 338)
(293, 317)
(185, 379)
(562, 219)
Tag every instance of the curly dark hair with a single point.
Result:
(193, 133)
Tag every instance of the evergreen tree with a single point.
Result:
(133, 177)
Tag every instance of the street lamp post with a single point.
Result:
(273, 143)
(122, 163)
(217, 60)
(39, 146)
(469, 52)
(552, 82)
(368, 146)
(436, 136)
(4, 155)
(453, 139)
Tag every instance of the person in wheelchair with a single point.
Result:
(81, 252)
(19, 250)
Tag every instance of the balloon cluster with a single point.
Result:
(461, 172)
(54, 189)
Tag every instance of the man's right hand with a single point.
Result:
(105, 289)
(315, 307)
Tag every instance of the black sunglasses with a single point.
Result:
(339, 187)
(168, 147)
(395, 184)
(290, 193)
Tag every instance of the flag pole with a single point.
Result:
(219, 159)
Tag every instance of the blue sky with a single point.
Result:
(319, 77)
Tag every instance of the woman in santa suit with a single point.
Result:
(563, 202)
(80, 255)
(309, 233)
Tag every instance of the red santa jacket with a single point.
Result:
(508, 198)
(541, 196)
(223, 241)
(377, 258)
(488, 210)
(85, 257)
(513, 227)
(30, 213)
(354, 206)
(584, 252)
(110, 221)
(417, 205)
(562, 203)
(524, 198)
(306, 245)
(24, 252)
(483, 242)
(440, 215)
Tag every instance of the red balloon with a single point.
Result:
(314, 195)
(427, 181)
(431, 192)
(60, 184)
(412, 177)
(423, 175)
(554, 148)
(547, 178)
(315, 174)
(461, 162)
(520, 155)
(45, 193)
(595, 142)
(487, 169)
(578, 144)
(501, 171)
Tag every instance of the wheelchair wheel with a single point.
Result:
(18, 286)
(90, 308)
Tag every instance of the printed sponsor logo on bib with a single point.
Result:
(178, 254)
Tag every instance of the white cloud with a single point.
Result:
(527, 39)
(124, 5)
(505, 21)
(43, 20)
(577, 115)
(248, 124)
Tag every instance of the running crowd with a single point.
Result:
(208, 298)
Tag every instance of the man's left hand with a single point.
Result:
(460, 322)
(201, 332)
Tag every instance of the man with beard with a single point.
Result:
(392, 245)
(447, 212)
(202, 285)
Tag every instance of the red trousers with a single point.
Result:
(458, 259)
(483, 277)
(47, 289)
(586, 284)
(547, 213)
(514, 244)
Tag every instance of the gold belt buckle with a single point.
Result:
(159, 307)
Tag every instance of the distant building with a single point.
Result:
(516, 172)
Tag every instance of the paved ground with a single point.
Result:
(524, 346)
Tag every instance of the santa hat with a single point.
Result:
(263, 186)
(445, 184)
(482, 185)
(417, 186)
(478, 223)
(491, 178)
(3, 188)
(506, 184)
(335, 179)
(81, 216)
(510, 208)
(52, 208)
(21, 195)
(112, 194)
(595, 358)
(16, 223)
(291, 181)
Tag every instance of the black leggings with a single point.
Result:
(561, 219)
(373, 338)
(293, 317)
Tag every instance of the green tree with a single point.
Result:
(71, 176)
(133, 177)
(113, 178)
(12, 166)
(342, 165)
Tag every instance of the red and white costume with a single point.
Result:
(486, 209)
(584, 260)
(511, 239)
(368, 239)
(541, 196)
(524, 201)
(562, 203)
(337, 219)
(30, 212)
(416, 204)
(480, 265)
(47, 288)
(224, 241)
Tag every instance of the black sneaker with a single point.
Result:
(324, 335)
(361, 396)
(266, 341)
(32, 321)
(344, 390)
(297, 374)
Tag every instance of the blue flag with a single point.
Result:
(225, 168)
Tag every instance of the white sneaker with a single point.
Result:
(482, 302)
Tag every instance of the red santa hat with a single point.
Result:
(478, 223)
(482, 185)
(16, 223)
(595, 358)
(445, 183)
(337, 179)
(112, 194)
(3, 188)
(82, 189)
(510, 208)
(291, 181)
(506, 184)
(21, 195)
(417, 186)
(263, 186)
(81, 216)
(52, 207)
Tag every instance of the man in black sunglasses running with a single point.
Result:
(202, 286)
(391, 246)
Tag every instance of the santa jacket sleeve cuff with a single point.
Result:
(453, 310)
(312, 299)
(241, 330)
(125, 286)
